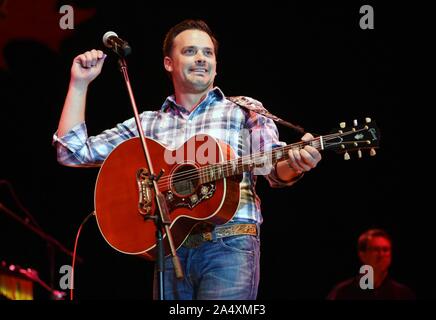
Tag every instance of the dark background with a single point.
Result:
(311, 65)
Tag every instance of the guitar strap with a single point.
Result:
(257, 107)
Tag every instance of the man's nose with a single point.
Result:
(200, 59)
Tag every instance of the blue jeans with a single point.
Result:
(224, 269)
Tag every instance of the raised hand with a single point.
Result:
(87, 66)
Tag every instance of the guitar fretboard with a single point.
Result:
(265, 160)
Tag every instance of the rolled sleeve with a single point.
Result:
(75, 148)
(69, 146)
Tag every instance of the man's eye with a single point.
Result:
(189, 51)
(208, 53)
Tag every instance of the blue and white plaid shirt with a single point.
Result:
(172, 125)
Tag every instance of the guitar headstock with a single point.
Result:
(357, 137)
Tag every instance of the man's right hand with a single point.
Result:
(86, 67)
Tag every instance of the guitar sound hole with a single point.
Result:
(185, 180)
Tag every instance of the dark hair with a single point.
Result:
(183, 26)
(365, 237)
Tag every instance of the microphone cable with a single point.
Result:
(75, 251)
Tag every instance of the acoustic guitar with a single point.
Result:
(200, 183)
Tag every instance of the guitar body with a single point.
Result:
(120, 191)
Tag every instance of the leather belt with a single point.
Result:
(196, 238)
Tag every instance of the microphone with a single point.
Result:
(118, 45)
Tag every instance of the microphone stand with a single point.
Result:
(161, 219)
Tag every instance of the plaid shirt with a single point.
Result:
(172, 125)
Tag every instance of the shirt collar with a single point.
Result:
(213, 94)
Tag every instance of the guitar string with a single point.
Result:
(326, 139)
(217, 167)
(214, 169)
(213, 172)
(245, 158)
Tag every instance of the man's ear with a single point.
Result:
(168, 64)
(362, 256)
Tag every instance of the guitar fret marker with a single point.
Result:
(233, 166)
(218, 172)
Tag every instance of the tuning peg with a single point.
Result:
(342, 125)
(346, 156)
(372, 152)
(355, 123)
(359, 153)
(368, 120)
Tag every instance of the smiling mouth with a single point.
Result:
(199, 70)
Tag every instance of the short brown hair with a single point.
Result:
(365, 237)
(188, 24)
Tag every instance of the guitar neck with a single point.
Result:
(350, 139)
(259, 160)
